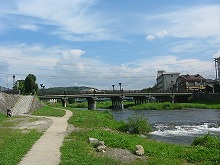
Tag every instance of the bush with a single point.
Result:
(138, 124)
(166, 105)
(208, 140)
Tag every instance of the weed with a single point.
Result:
(138, 124)
(208, 140)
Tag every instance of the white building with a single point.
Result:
(166, 81)
(218, 68)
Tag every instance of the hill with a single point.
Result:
(69, 90)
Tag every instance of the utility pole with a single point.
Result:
(216, 69)
(13, 85)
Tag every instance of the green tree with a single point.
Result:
(19, 86)
(30, 84)
(217, 87)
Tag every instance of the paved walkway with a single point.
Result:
(46, 151)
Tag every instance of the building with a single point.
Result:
(191, 83)
(217, 60)
(166, 81)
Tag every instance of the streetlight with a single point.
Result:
(42, 88)
(13, 82)
(120, 86)
(113, 87)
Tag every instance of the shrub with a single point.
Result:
(138, 124)
(166, 105)
(208, 140)
(79, 105)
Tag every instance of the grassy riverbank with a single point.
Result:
(152, 106)
(170, 106)
(49, 111)
(101, 125)
(14, 143)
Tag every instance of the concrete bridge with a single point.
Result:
(117, 98)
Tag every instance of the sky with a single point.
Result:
(99, 43)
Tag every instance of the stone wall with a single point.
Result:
(7, 101)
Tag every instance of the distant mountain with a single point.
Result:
(69, 90)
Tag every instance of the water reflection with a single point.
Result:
(177, 126)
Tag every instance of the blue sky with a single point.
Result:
(98, 43)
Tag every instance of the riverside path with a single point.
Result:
(46, 151)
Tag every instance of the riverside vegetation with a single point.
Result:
(101, 125)
(152, 106)
(14, 143)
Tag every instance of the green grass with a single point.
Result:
(152, 106)
(2, 117)
(94, 119)
(170, 106)
(100, 105)
(208, 140)
(14, 144)
(49, 111)
(101, 125)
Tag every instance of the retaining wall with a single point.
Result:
(7, 101)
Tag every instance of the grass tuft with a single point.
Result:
(208, 140)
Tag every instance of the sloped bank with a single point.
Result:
(7, 101)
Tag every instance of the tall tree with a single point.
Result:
(30, 84)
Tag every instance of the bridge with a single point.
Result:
(117, 98)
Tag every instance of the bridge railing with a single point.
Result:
(103, 92)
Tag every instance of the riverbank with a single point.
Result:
(102, 126)
(152, 106)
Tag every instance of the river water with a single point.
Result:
(177, 126)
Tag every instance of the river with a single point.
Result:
(177, 126)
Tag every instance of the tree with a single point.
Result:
(216, 87)
(30, 84)
(150, 89)
(19, 86)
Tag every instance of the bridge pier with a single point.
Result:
(64, 101)
(140, 100)
(172, 99)
(117, 103)
(91, 103)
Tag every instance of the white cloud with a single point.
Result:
(157, 35)
(150, 37)
(75, 20)
(58, 66)
(3, 66)
(31, 27)
(161, 34)
(199, 21)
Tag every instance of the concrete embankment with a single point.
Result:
(18, 103)
(7, 101)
